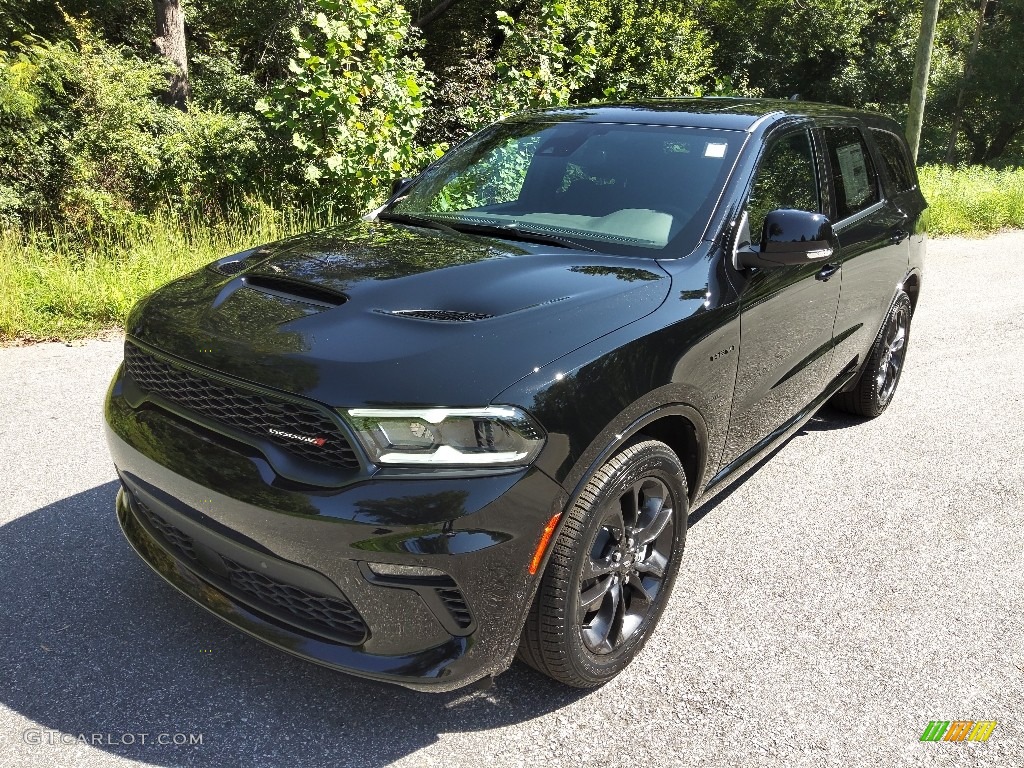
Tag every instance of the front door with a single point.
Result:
(786, 313)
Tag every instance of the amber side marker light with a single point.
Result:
(545, 539)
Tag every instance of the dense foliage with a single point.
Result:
(346, 114)
(318, 104)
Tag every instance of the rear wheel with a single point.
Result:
(611, 569)
(884, 365)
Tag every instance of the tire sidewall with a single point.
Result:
(877, 353)
(658, 462)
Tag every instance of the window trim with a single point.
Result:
(857, 217)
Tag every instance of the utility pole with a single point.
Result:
(922, 65)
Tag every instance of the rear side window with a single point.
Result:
(855, 179)
(895, 159)
(785, 179)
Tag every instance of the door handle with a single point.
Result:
(826, 272)
(898, 236)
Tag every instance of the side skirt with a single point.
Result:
(775, 438)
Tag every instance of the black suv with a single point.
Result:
(473, 424)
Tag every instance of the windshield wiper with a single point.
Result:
(416, 221)
(509, 231)
(515, 232)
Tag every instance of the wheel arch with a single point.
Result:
(680, 434)
(912, 286)
(678, 425)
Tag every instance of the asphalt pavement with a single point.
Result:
(867, 579)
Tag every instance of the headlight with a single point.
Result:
(492, 436)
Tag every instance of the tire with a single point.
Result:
(881, 374)
(605, 586)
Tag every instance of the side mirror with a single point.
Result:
(791, 237)
(398, 186)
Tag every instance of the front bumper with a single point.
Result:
(290, 567)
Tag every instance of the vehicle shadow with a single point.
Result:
(825, 420)
(96, 645)
(828, 419)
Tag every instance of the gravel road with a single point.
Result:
(865, 580)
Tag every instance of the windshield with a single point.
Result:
(615, 188)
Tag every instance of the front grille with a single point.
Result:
(330, 612)
(250, 412)
(331, 616)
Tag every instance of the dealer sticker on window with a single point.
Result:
(712, 149)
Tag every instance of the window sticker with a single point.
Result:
(715, 149)
(855, 173)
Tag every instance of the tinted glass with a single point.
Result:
(632, 189)
(785, 178)
(895, 158)
(855, 179)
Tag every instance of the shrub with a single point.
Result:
(85, 141)
(209, 162)
(347, 114)
(972, 200)
(543, 61)
(649, 50)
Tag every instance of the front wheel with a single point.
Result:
(611, 569)
(884, 365)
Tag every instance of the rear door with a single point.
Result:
(873, 234)
(786, 313)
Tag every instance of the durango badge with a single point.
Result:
(292, 436)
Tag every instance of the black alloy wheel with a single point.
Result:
(881, 374)
(625, 570)
(893, 350)
(611, 568)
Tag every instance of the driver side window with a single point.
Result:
(785, 178)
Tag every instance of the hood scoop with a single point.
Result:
(442, 315)
(231, 267)
(296, 290)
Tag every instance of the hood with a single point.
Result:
(383, 314)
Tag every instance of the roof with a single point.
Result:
(730, 113)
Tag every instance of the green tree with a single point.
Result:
(545, 58)
(649, 49)
(993, 117)
(348, 111)
(780, 48)
(85, 142)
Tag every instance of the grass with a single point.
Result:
(973, 200)
(53, 287)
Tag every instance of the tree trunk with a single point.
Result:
(170, 43)
(958, 112)
(1005, 133)
(430, 16)
(922, 65)
(978, 144)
